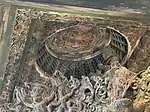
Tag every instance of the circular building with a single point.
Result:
(80, 49)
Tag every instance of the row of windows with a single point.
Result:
(118, 43)
(75, 68)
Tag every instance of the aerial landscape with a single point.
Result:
(75, 56)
